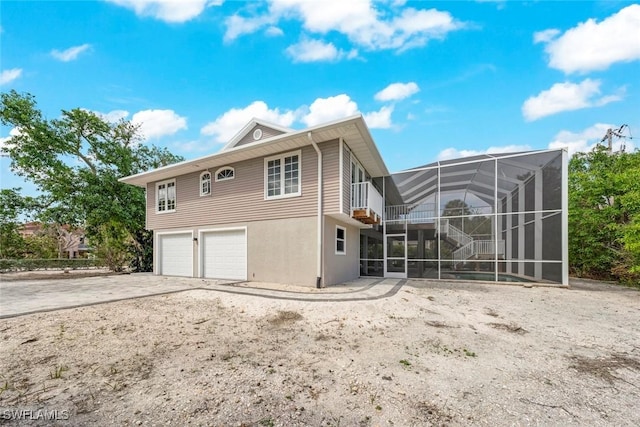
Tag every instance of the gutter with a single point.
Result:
(320, 234)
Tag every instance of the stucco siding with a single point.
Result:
(340, 268)
(278, 251)
(283, 251)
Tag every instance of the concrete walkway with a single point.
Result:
(20, 297)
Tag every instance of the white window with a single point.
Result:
(341, 240)
(282, 176)
(166, 196)
(225, 173)
(205, 183)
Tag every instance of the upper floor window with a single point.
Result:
(282, 175)
(166, 196)
(225, 173)
(205, 183)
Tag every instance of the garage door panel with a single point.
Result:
(224, 254)
(176, 255)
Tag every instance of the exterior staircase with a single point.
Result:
(467, 247)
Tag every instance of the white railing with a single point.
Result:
(478, 247)
(365, 196)
(454, 233)
(414, 214)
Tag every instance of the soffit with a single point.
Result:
(353, 130)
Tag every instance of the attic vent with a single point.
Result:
(257, 134)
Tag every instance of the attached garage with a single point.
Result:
(224, 254)
(175, 257)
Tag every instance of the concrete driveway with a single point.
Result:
(19, 297)
(30, 296)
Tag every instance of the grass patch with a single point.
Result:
(56, 374)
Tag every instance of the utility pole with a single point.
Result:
(609, 137)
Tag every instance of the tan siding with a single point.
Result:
(346, 180)
(267, 132)
(239, 199)
(330, 176)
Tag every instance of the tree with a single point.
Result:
(604, 215)
(12, 206)
(75, 162)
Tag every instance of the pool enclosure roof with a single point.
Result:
(474, 175)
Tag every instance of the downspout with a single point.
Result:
(320, 234)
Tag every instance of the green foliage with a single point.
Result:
(604, 215)
(112, 242)
(12, 207)
(30, 264)
(41, 245)
(75, 161)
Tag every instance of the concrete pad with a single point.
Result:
(30, 296)
(19, 297)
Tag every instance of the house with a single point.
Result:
(71, 241)
(318, 207)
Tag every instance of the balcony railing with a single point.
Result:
(414, 214)
(366, 203)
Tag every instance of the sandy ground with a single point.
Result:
(433, 354)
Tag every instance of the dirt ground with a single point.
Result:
(433, 354)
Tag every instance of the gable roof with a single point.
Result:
(353, 130)
(246, 129)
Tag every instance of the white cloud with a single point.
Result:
(225, 126)
(274, 31)
(587, 139)
(397, 91)
(315, 50)
(239, 25)
(326, 109)
(545, 36)
(192, 146)
(158, 123)
(4, 140)
(173, 11)
(112, 116)
(322, 110)
(7, 76)
(453, 153)
(567, 97)
(379, 119)
(69, 54)
(363, 22)
(595, 46)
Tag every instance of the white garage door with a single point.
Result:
(176, 254)
(224, 254)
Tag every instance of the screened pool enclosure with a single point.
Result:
(495, 217)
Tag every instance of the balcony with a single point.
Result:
(366, 203)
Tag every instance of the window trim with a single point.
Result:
(166, 182)
(343, 240)
(281, 157)
(200, 183)
(223, 169)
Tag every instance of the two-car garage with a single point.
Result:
(222, 254)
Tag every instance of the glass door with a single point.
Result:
(396, 256)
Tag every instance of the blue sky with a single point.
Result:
(434, 80)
